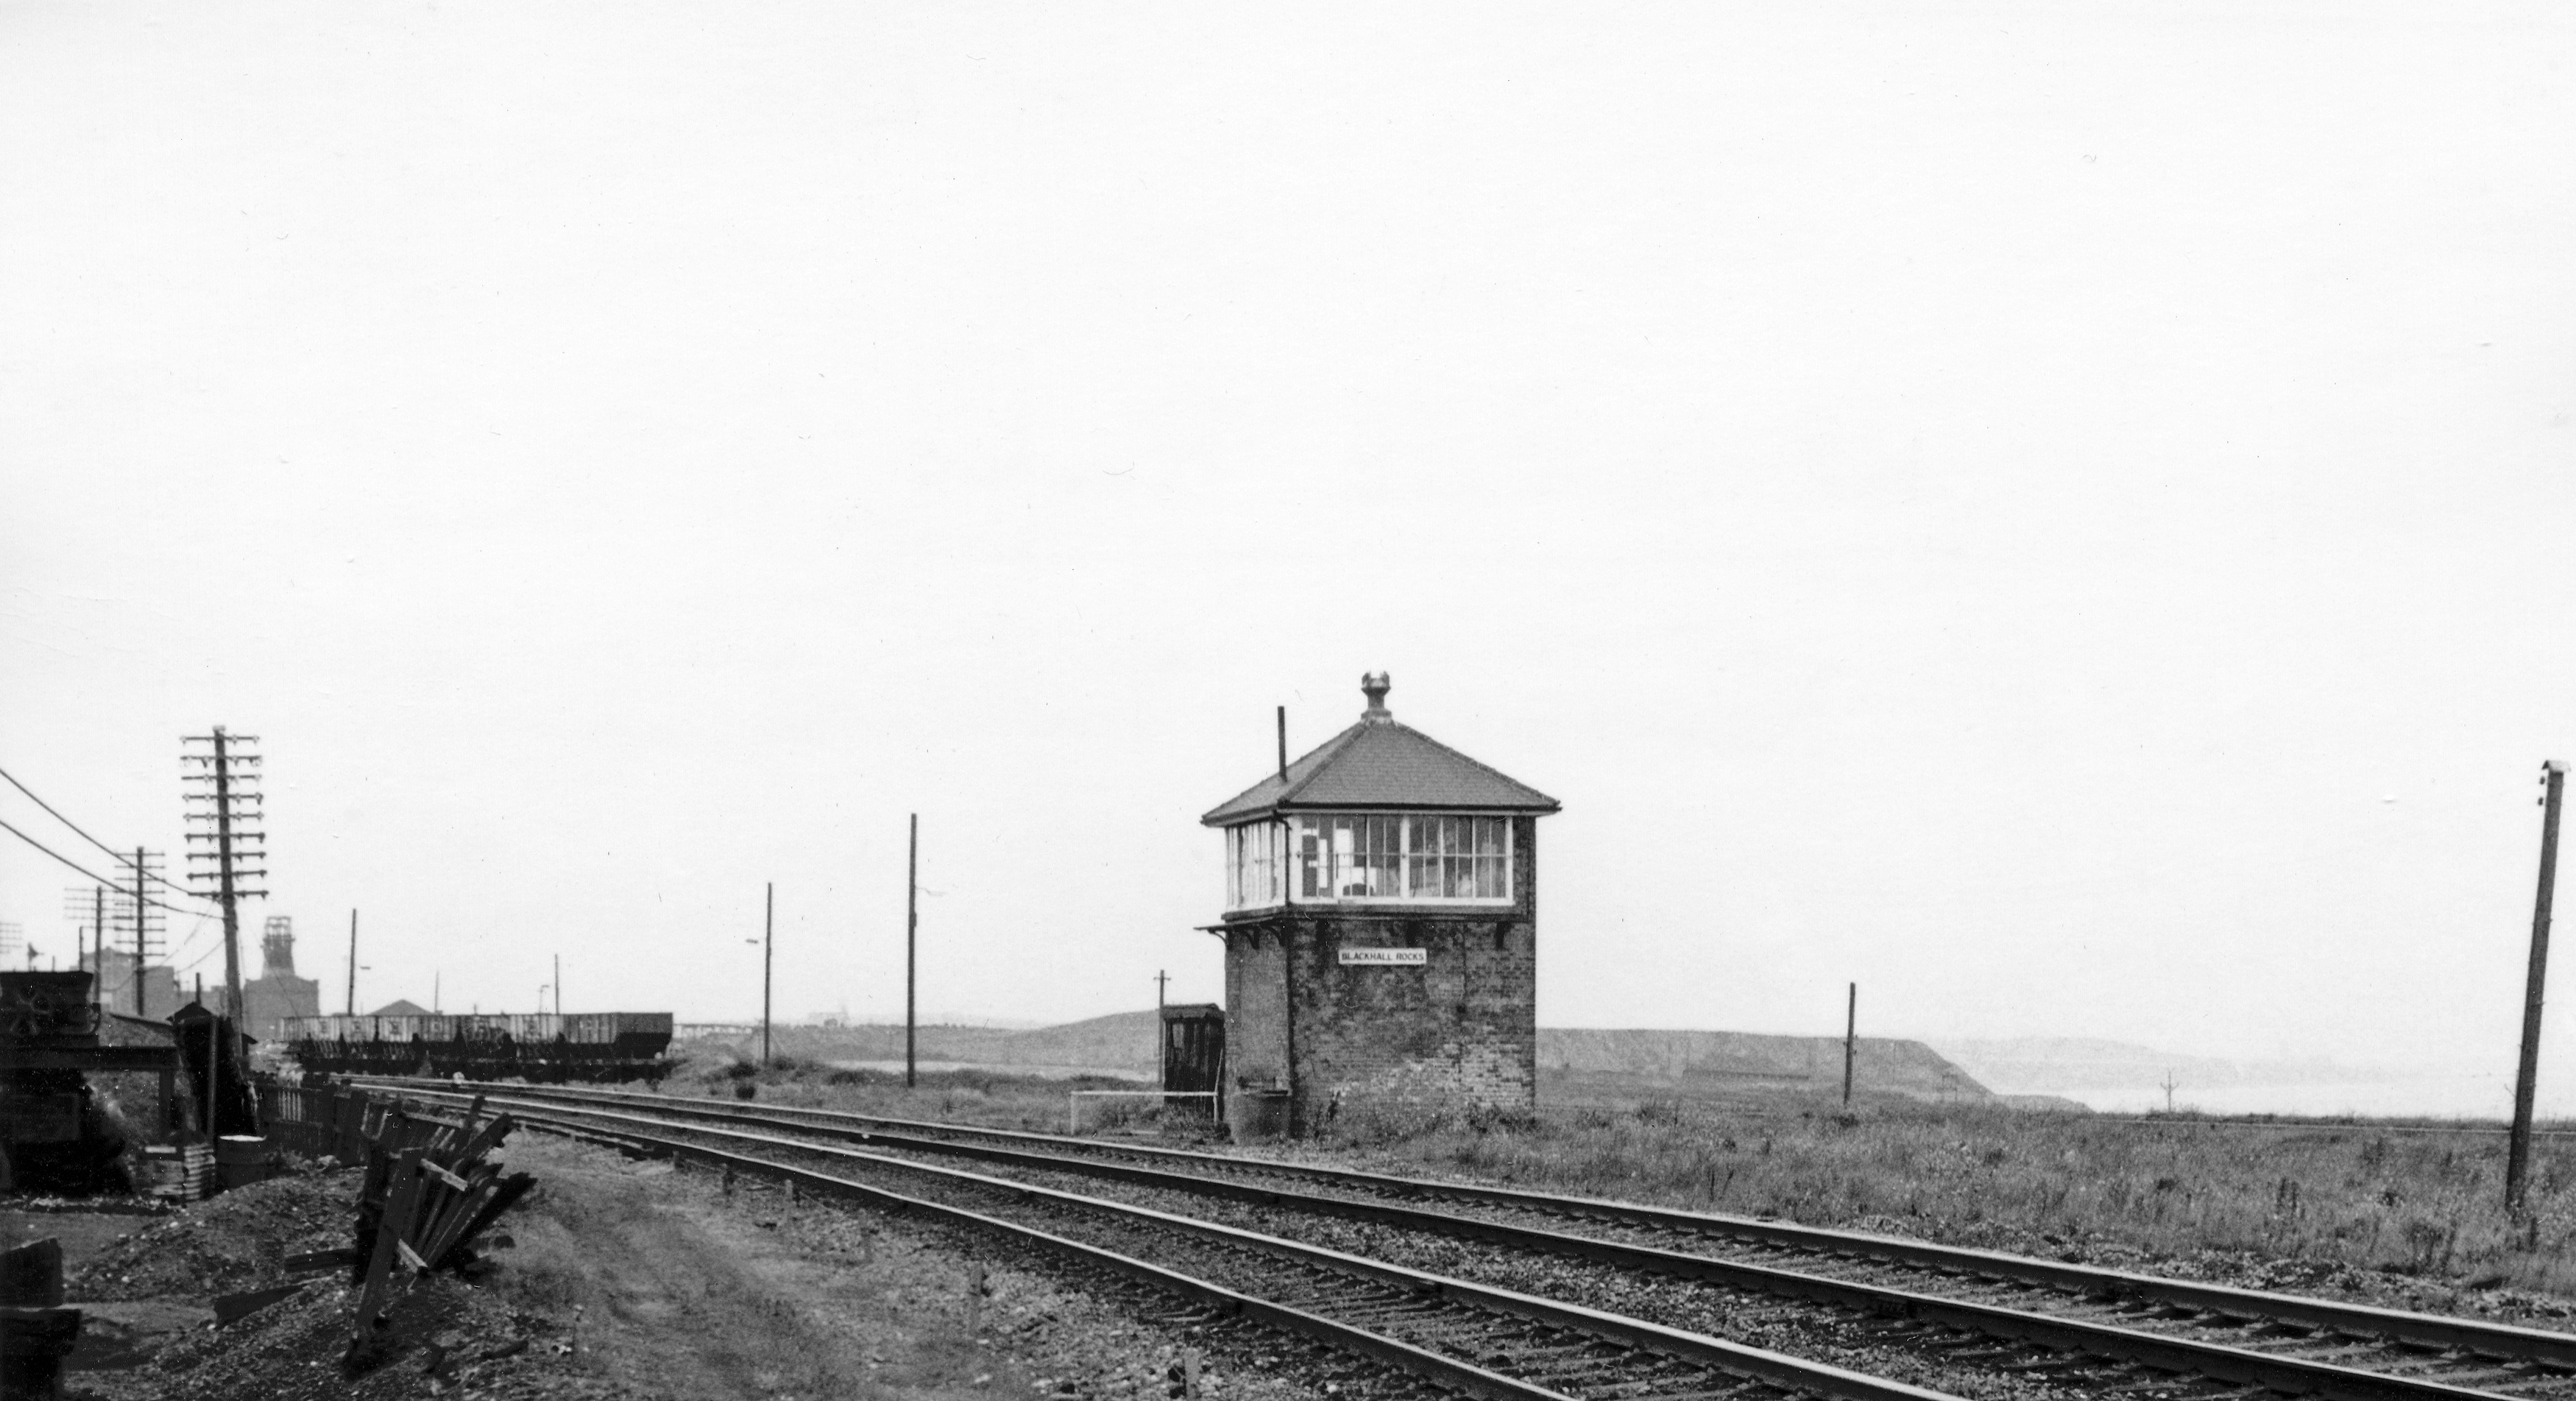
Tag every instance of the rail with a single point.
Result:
(1468, 1336)
(2430, 1330)
(2165, 1350)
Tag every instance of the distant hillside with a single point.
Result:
(1120, 1041)
(1903, 1067)
(1125, 1041)
(2041, 1065)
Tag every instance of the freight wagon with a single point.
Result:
(539, 1047)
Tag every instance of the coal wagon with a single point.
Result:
(538, 1047)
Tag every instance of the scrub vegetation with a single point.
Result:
(2418, 1208)
(2312, 1200)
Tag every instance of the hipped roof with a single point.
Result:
(1379, 763)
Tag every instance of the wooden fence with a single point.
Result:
(344, 1122)
(429, 1187)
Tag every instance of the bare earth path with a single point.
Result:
(687, 1290)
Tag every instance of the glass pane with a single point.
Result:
(1489, 877)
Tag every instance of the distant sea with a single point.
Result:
(2488, 1097)
(1042, 1072)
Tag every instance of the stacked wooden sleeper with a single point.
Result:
(428, 1193)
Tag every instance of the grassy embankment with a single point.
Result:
(2318, 1199)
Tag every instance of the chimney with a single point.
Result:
(1375, 685)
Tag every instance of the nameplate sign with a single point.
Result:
(1385, 958)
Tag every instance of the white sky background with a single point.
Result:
(1988, 500)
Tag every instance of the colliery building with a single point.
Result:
(1381, 929)
(278, 996)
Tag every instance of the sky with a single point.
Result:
(2058, 514)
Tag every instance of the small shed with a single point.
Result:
(1193, 1046)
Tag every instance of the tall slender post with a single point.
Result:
(224, 881)
(1162, 1029)
(138, 934)
(1283, 744)
(558, 985)
(768, 932)
(911, 929)
(1851, 1028)
(98, 943)
(2517, 1161)
(353, 963)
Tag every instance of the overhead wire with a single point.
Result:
(93, 875)
(56, 814)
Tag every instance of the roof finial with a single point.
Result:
(1375, 685)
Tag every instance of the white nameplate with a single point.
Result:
(1393, 958)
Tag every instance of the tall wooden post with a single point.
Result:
(139, 925)
(98, 944)
(911, 926)
(224, 879)
(1851, 1026)
(353, 963)
(768, 928)
(2517, 1162)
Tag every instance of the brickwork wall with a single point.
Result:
(1256, 1008)
(1459, 1032)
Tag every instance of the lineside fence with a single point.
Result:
(344, 1122)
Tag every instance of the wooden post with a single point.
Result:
(768, 929)
(911, 927)
(138, 936)
(2517, 1162)
(402, 1197)
(1851, 1025)
(353, 963)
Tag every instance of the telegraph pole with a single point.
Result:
(911, 929)
(768, 938)
(353, 963)
(1851, 1026)
(1162, 977)
(2517, 1162)
(98, 943)
(230, 773)
(558, 985)
(142, 927)
(224, 878)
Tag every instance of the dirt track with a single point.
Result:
(626, 1280)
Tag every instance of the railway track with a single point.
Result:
(1960, 1302)
(1456, 1335)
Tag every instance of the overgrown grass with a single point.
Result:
(2357, 1195)
(2360, 1195)
(987, 1098)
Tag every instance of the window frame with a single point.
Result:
(1284, 861)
